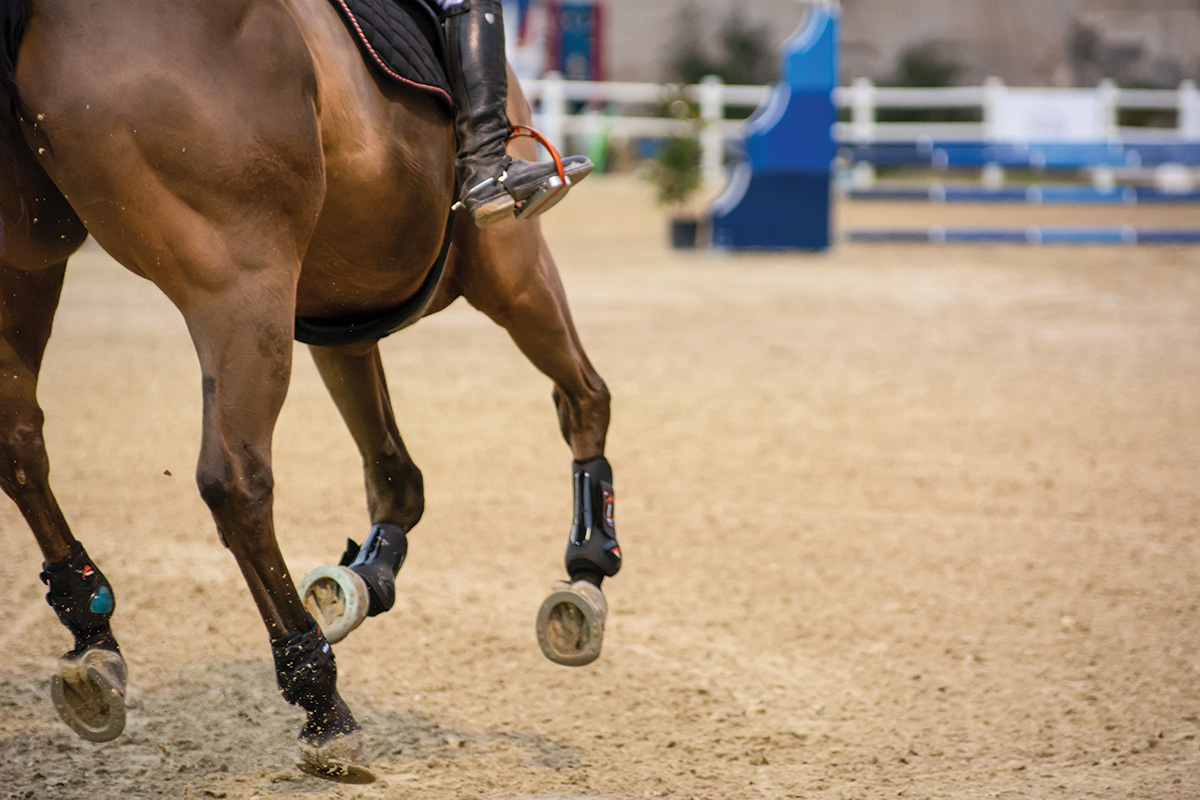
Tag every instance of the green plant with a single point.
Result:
(745, 57)
(925, 66)
(676, 170)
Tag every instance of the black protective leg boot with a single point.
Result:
(492, 184)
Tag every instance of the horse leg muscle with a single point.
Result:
(356, 382)
(243, 339)
(507, 272)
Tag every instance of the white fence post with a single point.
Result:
(712, 141)
(554, 108)
(862, 110)
(993, 100)
(1189, 111)
(1108, 109)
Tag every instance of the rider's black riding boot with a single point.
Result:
(493, 185)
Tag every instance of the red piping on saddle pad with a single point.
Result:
(382, 65)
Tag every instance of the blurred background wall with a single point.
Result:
(1144, 43)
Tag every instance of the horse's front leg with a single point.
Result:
(507, 272)
(243, 336)
(363, 583)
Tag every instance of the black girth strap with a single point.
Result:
(373, 327)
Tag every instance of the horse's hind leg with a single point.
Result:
(509, 274)
(363, 584)
(89, 689)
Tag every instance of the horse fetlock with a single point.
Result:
(331, 741)
(305, 669)
(82, 598)
(377, 562)
(592, 545)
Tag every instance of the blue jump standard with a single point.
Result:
(1036, 194)
(1034, 155)
(1033, 234)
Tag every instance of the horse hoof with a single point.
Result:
(337, 598)
(570, 623)
(342, 758)
(89, 693)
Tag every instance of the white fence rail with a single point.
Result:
(636, 110)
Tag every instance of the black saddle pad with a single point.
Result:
(400, 38)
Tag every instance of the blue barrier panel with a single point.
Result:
(1034, 155)
(984, 236)
(1047, 194)
(972, 194)
(779, 196)
(1084, 235)
(872, 235)
(1035, 234)
(1168, 236)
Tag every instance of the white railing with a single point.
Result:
(634, 110)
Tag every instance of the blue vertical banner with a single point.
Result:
(522, 17)
(577, 39)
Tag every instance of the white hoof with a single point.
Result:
(89, 694)
(570, 623)
(337, 598)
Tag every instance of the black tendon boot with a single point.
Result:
(82, 598)
(492, 184)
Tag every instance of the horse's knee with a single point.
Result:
(236, 495)
(24, 466)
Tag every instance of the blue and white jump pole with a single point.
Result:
(779, 195)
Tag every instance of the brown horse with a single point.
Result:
(241, 155)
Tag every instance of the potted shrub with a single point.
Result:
(676, 175)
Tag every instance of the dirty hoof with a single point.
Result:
(341, 758)
(570, 623)
(337, 599)
(89, 693)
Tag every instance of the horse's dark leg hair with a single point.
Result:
(306, 672)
